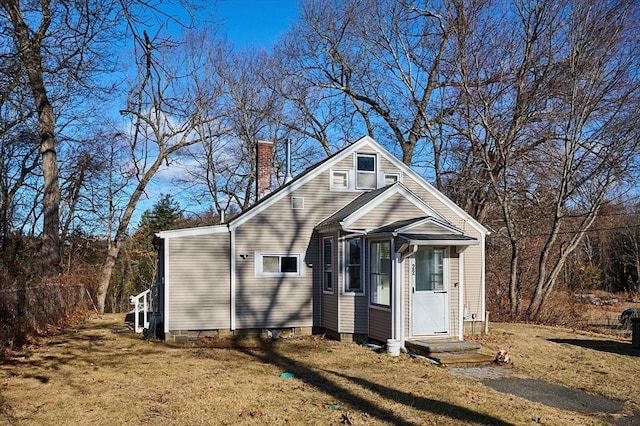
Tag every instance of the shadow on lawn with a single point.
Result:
(611, 346)
(267, 354)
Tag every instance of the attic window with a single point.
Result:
(391, 178)
(339, 179)
(297, 203)
(366, 171)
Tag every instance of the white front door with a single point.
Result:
(429, 293)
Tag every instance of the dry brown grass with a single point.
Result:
(90, 375)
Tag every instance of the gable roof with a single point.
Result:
(367, 201)
(315, 170)
(405, 230)
(409, 224)
(329, 162)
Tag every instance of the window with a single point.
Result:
(430, 269)
(340, 179)
(275, 265)
(366, 171)
(327, 264)
(391, 178)
(353, 265)
(380, 273)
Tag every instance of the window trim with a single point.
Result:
(347, 265)
(396, 175)
(340, 188)
(259, 263)
(373, 172)
(389, 274)
(328, 288)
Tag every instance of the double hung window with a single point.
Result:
(366, 177)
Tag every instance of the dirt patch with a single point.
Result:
(555, 396)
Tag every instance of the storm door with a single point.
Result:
(429, 293)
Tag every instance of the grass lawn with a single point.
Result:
(91, 375)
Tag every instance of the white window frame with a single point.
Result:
(396, 175)
(372, 265)
(348, 266)
(373, 172)
(259, 257)
(328, 267)
(346, 176)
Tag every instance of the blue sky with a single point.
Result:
(247, 24)
(250, 23)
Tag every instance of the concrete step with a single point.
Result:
(427, 347)
(466, 360)
(450, 353)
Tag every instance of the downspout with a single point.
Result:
(167, 263)
(340, 284)
(232, 263)
(482, 280)
(398, 287)
(461, 295)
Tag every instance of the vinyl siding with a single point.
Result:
(429, 228)
(329, 303)
(395, 208)
(353, 307)
(263, 302)
(379, 324)
(472, 282)
(199, 284)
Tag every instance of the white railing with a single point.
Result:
(140, 306)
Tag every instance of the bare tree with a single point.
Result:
(382, 63)
(544, 100)
(166, 106)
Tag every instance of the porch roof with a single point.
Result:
(438, 239)
(408, 231)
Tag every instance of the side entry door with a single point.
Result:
(429, 298)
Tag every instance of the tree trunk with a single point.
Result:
(107, 272)
(29, 46)
(51, 199)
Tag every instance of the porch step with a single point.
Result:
(462, 359)
(450, 353)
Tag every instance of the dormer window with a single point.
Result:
(366, 177)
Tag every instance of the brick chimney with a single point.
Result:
(263, 168)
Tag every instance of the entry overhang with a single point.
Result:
(439, 240)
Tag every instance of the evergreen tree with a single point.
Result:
(165, 214)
